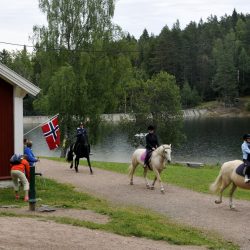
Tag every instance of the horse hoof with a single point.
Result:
(162, 191)
(217, 202)
(152, 187)
(148, 187)
(232, 206)
(131, 183)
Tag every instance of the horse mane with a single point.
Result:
(162, 147)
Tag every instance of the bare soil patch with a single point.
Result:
(27, 233)
(85, 215)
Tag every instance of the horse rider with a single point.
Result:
(246, 156)
(81, 131)
(151, 144)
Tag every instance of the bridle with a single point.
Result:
(163, 153)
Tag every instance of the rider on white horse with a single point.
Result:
(151, 144)
(246, 156)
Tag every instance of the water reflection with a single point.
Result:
(212, 140)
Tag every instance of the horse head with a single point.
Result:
(166, 152)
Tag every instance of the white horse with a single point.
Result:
(159, 157)
(227, 176)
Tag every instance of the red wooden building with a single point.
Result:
(13, 88)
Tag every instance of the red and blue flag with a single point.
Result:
(51, 133)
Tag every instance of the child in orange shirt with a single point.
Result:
(21, 172)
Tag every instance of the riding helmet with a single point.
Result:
(150, 127)
(246, 136)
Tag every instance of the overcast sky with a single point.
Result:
(17, 17)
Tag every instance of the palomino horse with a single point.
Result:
(229, 173)
(158, 160)
(77, 151)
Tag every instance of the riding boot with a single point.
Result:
(247, 180)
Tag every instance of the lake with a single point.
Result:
(209, 140)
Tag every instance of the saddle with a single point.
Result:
(241, 169)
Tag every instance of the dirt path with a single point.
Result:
(182, 205)
(185, 206)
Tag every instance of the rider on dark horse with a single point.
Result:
(81, 136)
(246, 156)
(151, 144)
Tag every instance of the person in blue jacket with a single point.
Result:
(246, 156)
(31, 157)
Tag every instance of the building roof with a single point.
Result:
(13, 78)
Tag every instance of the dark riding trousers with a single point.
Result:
(151, 142)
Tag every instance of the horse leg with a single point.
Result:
(145, 177)
(158, 177)
(71, 165)
(153, 183)
(132, 168)
(76, 164)
(91, 172)
(231, 205)
(222, 188)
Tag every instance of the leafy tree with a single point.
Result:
(159, 102)
(76, 29)
(75, 23)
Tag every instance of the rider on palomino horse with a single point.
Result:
(246, 156)
(151, 144)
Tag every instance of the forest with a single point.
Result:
(86, 65)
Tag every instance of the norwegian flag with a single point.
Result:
(51, 133)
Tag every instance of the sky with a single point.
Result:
(17, 17)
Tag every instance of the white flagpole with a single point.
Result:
(40, 124)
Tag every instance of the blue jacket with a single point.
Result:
(31, 158)
(245, 150)
(81, 131)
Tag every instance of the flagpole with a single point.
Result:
(40, 124)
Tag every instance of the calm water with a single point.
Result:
(209, 140)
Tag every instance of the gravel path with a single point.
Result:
(185, 206)
(180, 204)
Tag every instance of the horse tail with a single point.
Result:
(214, 187)
(132, 166)
(70, 154)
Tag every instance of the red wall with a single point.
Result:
(6, 128)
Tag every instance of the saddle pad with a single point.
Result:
(241, 170)
(143, 156)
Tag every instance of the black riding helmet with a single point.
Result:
(150, 127)
(246, 136)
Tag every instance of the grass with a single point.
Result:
(127, 221)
